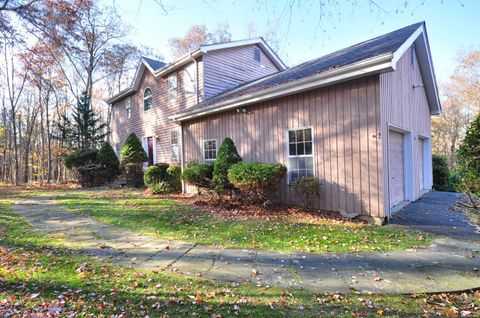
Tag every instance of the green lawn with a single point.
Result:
(42, 274)
(173, 220)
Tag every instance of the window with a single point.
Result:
(300, 154)
(209, 150)
(174, 137)
(116, 111)
(257, 54)
(412, 56)
(172, 87)
(147, 99)
(128, 108)
(189, 80)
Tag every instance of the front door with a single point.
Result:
(150, 150)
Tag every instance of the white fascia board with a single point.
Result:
(423, 52)
(179, 63)
(374, 65)
(135, 83)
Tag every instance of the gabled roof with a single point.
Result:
(158, 68)
(376, 55)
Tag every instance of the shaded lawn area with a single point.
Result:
(41, 275)
(172, 219)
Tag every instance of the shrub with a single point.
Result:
(198, 174)
(132, 157)
(80, 158)
(226, 157)
(155, 174)
(440, 172)
(162, 187)
(173, 178)
(256, 178)
(134, 174)
(307, 188)
(132, 151)
(108, 160)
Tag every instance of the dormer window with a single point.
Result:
(412, 56)
(257, 56)
(147, 99)
(172, 87)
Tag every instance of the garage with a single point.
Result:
(420, 165)
(396, 168)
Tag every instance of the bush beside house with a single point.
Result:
(226, 157)
(199, 175)
(132, 157)
(163, 178)
(256, 180)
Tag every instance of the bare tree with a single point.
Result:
(197, 35)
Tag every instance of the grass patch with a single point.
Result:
(43, 276)
(171, 219)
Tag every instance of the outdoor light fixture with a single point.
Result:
(241, 110)
(417, 85)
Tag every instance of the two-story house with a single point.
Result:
(358, 119)
(161, 90)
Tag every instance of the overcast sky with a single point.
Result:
(451, 25)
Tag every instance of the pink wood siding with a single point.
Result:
(227, 68)
(153, 122)
(406, 108)
(346, 124)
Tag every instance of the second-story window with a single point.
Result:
(257, 56)
(172, 87)
(128, 108)
(412, 55)
(116, 111)
(147, 99)
(189, 80)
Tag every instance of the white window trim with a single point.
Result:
(178, 145)
(216, 150)
(192, 66)
(170, 99)
(145, 148)
(413, 56)
(287, 149)
(128, 108)
(257, 49)
(144, 98)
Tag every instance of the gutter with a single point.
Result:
(382, 63)
(184, 60)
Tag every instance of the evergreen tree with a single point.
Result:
(226, 157)
(132, 151)
(468, 157)
(108, 159)
(83, 129)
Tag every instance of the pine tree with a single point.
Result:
(226, 157)
(132, 151)
(83, 129)
(468, 157)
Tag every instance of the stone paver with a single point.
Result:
(448, 264)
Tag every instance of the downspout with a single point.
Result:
(196, 78)
(181, 156)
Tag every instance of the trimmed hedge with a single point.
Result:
(256, 179)
(163, 178)
(155, 174)
(440, 172)
(226, 157)
(307, 188)
(198, 174)
(80, 158)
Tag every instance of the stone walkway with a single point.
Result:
(446, 265)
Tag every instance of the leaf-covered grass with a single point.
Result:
(45, 277)
(174, 220)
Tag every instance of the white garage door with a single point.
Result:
(396, 168)
(420, 165)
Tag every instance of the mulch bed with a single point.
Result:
(228, 209)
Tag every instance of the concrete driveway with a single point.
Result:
(434, 213)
